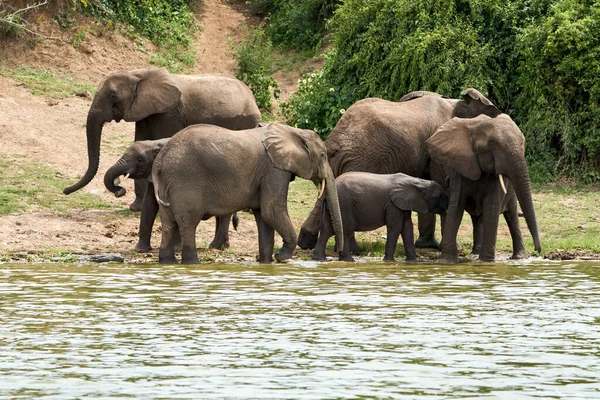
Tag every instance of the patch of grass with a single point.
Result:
(26, 184)
(45, 84)
(567, 214)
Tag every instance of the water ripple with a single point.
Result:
(301, 331)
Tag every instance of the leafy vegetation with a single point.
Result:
(295, 24)
(538, 60)
(253, 56)
(169, 24)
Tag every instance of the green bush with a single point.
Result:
(295, 24)
(300, 25)
(559, 105)
(253, 56)
(538, 60)
(168, 24)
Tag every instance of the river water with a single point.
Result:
(300, 331)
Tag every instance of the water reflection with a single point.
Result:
(305, 330)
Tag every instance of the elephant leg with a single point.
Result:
(309, 232)
(489, 220)
(266, 238)
(166, 254)
(426, 238)
(354, 246)
(477, 233)
(511, 216)
(147, 217)
(221, 240)
(279, 219)
(345, 253)
(393, 232)
(408, 238)
(187, 228)
(454, 215)
(140, 190)
(325, 233)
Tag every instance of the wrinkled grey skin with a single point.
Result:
(476, 151)
(209, 171)
(508, 208)
(137, 161)
(162, 104)
(369, 201)
(384, 137)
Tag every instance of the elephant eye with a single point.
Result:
(140, 160)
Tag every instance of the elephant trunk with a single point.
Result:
(333, 203)
(94, 132)
(112, 175)
(523, 190)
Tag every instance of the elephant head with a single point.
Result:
(471, 146)
(420, 195)
(130, 96)
(135, 163)
(303, 153)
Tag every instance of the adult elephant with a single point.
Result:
(136, 163)
(161, 104)
(207, 171)
(384, 137)
(478, 154)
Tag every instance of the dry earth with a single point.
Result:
(53, 133)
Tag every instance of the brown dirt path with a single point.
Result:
(53, 133)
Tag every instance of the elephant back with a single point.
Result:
(219, 100)
(384, 137)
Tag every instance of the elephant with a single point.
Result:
(161, 104)
(369, 201)
(207, 170)
(385, 137)
(478, 153)
(136, 163)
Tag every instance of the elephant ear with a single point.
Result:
(476, 100)
(155, 92)
(452, 145)
(288, 149)
(407, 194)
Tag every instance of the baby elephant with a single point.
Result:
(369, 201)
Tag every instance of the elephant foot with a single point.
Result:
(283, 255)
(519, 255)
(427, 242)
(143, 247)
(449, 259)
(389, 259)
(347, 258)
(219, 245)
(166, 257)
(318, 257)
(136, 205)
(189, 255)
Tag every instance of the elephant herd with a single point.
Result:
(200, 151)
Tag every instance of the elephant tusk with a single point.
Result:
(322, 189)
(117, 181)
(127, 175)
(502, 183)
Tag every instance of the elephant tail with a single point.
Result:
(156, 181)
(235, 221)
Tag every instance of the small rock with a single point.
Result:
(52, 102)
(85, 94)
(103, 258)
